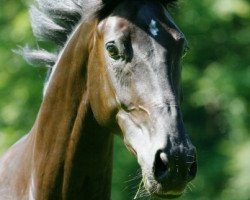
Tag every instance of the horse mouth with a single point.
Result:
(156, 189)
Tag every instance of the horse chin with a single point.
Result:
(156, 189)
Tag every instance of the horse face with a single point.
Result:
(142, 51)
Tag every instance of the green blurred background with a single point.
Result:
(216, 106)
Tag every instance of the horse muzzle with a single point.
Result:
(163, 149)
(172, 170)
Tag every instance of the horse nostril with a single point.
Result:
(161, 166)
(192, 170)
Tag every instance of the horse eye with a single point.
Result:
(112, 51)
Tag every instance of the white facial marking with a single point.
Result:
(153, 28)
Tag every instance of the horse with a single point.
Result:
(116, 70)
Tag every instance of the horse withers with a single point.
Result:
(119, 71)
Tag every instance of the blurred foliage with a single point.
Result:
(216, 85)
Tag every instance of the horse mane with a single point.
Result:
(54, 21)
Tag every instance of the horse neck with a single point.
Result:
(72, 156)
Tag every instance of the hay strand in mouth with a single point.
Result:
(139, 189)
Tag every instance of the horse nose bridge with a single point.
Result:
(168, 116)
(168, 108)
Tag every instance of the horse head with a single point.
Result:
(134, 81)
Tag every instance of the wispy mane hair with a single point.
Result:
(53, 21)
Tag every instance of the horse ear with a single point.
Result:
(75, 53)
